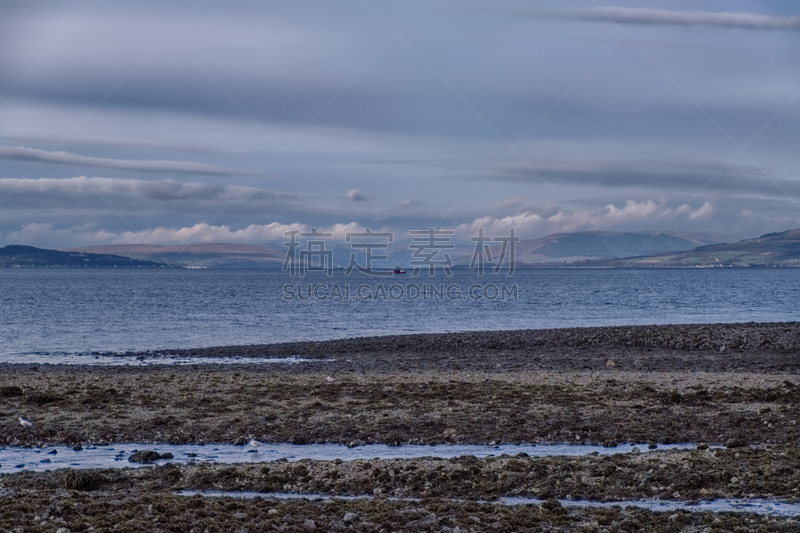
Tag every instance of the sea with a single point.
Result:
(53, 312)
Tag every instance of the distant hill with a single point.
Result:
(16, 255)
(556, 248)
(772, 249)
(212, 255)
(590, 245)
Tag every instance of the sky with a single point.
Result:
(202, 121)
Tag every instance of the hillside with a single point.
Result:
(773, 249)
(589, 245)
(16, 255)
(213, 255)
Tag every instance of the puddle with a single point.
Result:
(14, 459)
(755, 506)
(45, 358)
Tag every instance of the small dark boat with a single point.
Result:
(398, 271)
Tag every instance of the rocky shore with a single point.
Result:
(752, 347)
(734, 385)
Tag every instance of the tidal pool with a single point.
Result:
(14, 459)
(723, 505)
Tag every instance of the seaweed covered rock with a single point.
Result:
(148, 456)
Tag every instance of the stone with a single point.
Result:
(349, 516)
(309, 524)
(147, 456)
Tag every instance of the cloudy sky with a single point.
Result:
(208, 121)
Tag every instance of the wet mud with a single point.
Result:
(209, 404)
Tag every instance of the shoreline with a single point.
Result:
(603, 386)
(722, 347)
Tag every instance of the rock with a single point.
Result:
(272, 512)
(635, 450)
(83, 481)
(52, 452)
(702, 446)
(147, 456)
(77, 448)
(10, 392)
(309, 524)
(611, 363)
(551, 504)
(63, 530)
(652, 446)
(349, 516)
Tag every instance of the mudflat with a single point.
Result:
(735, 385)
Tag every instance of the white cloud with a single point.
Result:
(205, 233)
(20, 153)
(38, 234)
(633, 210)
(553, 218)
(704, 212)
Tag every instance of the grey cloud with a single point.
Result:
(75, 140)
(262, 194)
(71, 192)
(20, 153)
(644, 16)
(173, 190)
(52, 189)
(355, 195)
(653, 173)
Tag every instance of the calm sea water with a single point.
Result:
(58, 311)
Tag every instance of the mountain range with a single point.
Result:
(580, 249)
(559, 248)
